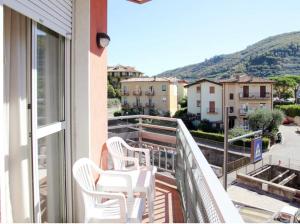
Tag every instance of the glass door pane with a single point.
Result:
(50, 77)
(51, 166)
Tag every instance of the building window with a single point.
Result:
(231, 110)
(125, 101)
(164, 100)
(211, 89)
(198, 89)
(245, 91)
(231, 96)
(164, 87)
(113, 74)
(198, 103)
(212, 108)
(263, 91)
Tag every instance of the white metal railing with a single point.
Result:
(174, 150)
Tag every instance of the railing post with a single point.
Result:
(140, 131)
(225, 148)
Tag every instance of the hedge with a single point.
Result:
(282, 103)
(220, 138)
(290, 110)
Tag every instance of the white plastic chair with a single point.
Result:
(103, 206)
(116, 146)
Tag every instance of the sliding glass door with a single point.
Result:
(48, 96)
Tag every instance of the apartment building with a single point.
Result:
(244, 93)
(181, 90)
(146, 94)
(205, 100)
(116, 74)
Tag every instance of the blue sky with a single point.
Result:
(166, 34)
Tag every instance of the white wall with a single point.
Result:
(193, 96)
(206, 97)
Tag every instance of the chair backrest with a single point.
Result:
(115, 148)
(83, 174)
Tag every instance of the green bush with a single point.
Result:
(290, 110)
(183, 102)
(118, 113)
(220, 138)
(282, 103)
(180, 113)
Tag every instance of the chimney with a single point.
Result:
(237, 76)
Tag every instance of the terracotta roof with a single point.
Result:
(244, 78)
(202, 80)
(152, 79)
(122, 68)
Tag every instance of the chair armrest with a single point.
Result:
(125, 158)
(145, 151)
(98, 195)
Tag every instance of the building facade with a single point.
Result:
(53, 70)
(243, 94)
(116, 74)
(150, 95)
(205, 100)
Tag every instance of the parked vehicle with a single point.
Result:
(287, 214)
(278, 137)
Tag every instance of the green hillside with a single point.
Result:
(275, 55)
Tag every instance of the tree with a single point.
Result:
(296, 78)
(284, 86)
(111, 91)
(265, 119)
(183, 102)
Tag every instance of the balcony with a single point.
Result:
(187, 188)
(137, 92)
(244, 112)
(149, 93)
(255, 96)
(125, 105)
(125, 93)
(213, 110)
(150, 105)
(137, 105)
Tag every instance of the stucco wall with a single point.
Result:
(193, 96)
(206, 97)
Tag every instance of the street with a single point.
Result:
(290, 147)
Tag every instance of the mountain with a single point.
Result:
(274, 55)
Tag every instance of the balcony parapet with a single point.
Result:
(213, 110)
(255, 96)
(149, 93)
(125, 93)
(150, 105)
(135, 105)
(137, 92)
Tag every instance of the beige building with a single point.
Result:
(243, 94)
(116, 74)
(150, 94)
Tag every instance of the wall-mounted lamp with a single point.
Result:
(102, 40)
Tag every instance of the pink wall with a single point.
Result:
(98, 79)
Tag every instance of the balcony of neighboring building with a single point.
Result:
(125, 92)
(125, 105)
(187, 189)
(213, 110)
(137, 105)
(137, 92)
(149, 93)
(150, 105)
(255, 96)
